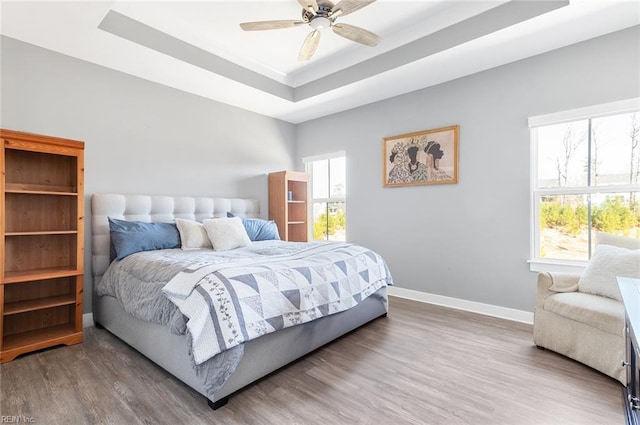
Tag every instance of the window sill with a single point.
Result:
(563, 266)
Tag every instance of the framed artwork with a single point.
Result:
(423, 157)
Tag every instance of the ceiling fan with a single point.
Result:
(320, 15)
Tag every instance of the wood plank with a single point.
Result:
(36, 321)
(38, 304)
(40, 189)
(423, 364)
(25, 342)
(2, 289)
(47, 273)
(41, 288)
(38, 233)
(32, 138)
(277, 203)
(2, 228)
(37, 214)
(38, 252)
(41, 171)
(76, 313)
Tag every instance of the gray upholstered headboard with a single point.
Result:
(153, 209)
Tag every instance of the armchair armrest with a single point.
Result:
(550, 283)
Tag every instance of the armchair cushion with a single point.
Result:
(596, 311)
(607, 263)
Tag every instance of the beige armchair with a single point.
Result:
(586, 324)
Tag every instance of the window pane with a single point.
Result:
(337, 221)
(615, 150)
(320, 225)
(337, 180)
(616, 213)
(329, 221)
(563, 155)
(564, 227)
(564, 222)
(320, 170)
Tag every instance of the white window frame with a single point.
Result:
(537, 264)
(311, 200)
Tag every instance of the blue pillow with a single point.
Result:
(129, 237)
(259, 230)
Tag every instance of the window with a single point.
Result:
(585, 179)
(328, 196)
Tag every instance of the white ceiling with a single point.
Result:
(199, 47)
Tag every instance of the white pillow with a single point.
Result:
(226, 233)
(192, 234)
(615, 240)
(607, 263)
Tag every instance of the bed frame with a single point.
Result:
(261, 356)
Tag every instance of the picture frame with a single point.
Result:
(421, 158)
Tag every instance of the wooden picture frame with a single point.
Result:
(421, 158)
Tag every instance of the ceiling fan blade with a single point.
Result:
(309, 46)
(349, 6)
(357, 34)
(269, 25)
(311, 5)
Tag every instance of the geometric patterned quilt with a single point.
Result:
(230, 303)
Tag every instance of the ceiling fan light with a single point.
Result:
(320, 23)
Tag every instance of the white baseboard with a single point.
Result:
(460, 304)
(87, 320)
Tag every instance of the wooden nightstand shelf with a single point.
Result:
(42, 224)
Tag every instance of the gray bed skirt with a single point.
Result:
(261, 356)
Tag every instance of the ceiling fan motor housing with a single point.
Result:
(323, 13)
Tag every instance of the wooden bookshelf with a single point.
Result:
(288, 204)
(42, 223)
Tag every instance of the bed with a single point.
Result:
(172, 344)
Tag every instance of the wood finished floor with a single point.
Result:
(423, 364)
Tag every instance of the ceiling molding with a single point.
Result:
(199, 48)
(144, 35)
(478, 26)
(493, 20)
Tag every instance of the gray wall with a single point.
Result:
(141, 137)
(469, 240)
